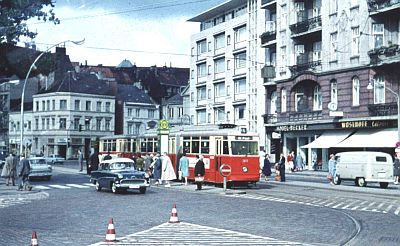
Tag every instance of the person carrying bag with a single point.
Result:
(199, 172)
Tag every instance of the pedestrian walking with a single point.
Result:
(396, 166)
(266, 170)
(93, 161)
(299, 162)
(23, 174)
(156, 166)
(4, 171)
(80, 160)
(281, 168)
(139, 162)
(11, 170)
(184, 167)
(332, 169)
(168, 172)
(148, 159)
(199, 172)
(290, 159)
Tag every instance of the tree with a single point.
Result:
(15, 13)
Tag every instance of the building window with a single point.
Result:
(356, 91)
(333, 45)
(240, 60)
(283, 100)
(273, 103)
(29, 125)
(209, 46)
(88, 105)
(191, 96)
(334, 91)
(209, 94)
(43, 105)
(76, 124)
(53, 123)
(240, 86)
(201, 117)
(228, 65)
(48, 105)
(219, 41)
(77, 105)
(317, 102)
(228, 40)
(130, 128)
(171, 113)
(201, 93)
(201, 47)
(63, 104)
(379, 89)
(228, 90)
(201, 70)
(209, 118)
(239, 112)
(151, 113)
(333, 6)
(219, 90)
(301, 104)
(98, 106)
(219, 65)
(98, 124)
(37, 106)
(355, 41)
(63, 123)
(47, 123)
(129, 112)
(240, 34)
(108, 107)
(44, 124)
(137, 112)
(108, 125)
(87, 124)
(377, 34)
(37, 124)
(219, 114)
(180, 112)
(54, 105)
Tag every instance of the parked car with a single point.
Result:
(54, 159)
(119, 175)
(40, 168)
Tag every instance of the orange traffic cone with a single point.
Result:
(110, 236)
(34, 241)
(174, 215)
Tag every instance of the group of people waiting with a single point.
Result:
(294, 163)
(17, 168)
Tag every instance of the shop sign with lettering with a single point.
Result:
(365, 124)
(289, 128)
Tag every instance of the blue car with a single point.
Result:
(118, 175)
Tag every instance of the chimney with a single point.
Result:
(61, 50)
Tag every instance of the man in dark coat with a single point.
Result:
(199, 171)
(281, 168)
(156, 165)
(23, 174)
(266, 170)
(93, 161)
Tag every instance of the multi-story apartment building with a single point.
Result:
(70, 115)
(330, 75)
(322, 77)
(225, 77)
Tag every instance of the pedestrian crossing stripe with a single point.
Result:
(336, 203)
(78, 186)
(60, 186)
(193, 234)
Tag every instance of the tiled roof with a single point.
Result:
(130, 93)
(80, 83)
(177, 99)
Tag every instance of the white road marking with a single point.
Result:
(60, 186)
(78, 186)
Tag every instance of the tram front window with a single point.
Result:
(244, 148)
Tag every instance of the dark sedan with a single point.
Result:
(119, 175)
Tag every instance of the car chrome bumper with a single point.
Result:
(132, 184)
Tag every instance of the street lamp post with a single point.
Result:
(370, 87)
(26, 78)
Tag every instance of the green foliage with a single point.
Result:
(15, 13)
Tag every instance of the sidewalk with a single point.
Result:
(12, 190)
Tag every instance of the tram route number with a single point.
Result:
(225, 170)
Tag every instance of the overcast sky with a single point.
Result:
(146, 32)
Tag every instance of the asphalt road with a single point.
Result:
(68, 211)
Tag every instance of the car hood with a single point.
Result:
(129, 173)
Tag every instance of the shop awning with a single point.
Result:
(328, 139)
(369, 138)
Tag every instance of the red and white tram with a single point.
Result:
(218, 147)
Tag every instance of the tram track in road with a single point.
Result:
(358, 227)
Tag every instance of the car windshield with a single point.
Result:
(38, 161)
(121, 166)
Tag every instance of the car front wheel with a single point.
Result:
(361, 182)
(98, 187)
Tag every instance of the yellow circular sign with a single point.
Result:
(164, 124)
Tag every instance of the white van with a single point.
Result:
(363, 167)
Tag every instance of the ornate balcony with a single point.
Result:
(270, 32)
(268, 72)
(306, 26)
(305, 116)
(270, 118)
(385, 54)
(380, 6)
(382, 109)
(304, 62)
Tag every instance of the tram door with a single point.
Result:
(218, 159)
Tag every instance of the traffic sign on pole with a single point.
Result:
(225, 170)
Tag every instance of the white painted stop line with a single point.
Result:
(78, 186)
(60, 186)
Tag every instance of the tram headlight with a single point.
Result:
(120, 176)
(244, 169)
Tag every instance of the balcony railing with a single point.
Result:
(385, 54)
(268, 72)
(270, 32)
(382, 109)
(383, 5)
(270, 118)
(307, 25)
(304, 62)
(305, 116)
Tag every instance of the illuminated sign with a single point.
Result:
(365, 124)
(243, 137)
(288, 128)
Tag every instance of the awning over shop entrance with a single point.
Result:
(369, 138)
(328, 139)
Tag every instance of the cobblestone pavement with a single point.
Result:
(192, 234)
